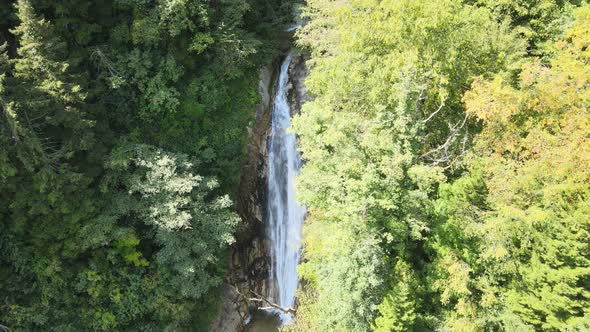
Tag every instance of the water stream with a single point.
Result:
(284, 214)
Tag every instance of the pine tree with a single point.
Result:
(397, 312)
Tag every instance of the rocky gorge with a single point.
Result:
(247, 283)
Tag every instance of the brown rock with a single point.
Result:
(250, 262)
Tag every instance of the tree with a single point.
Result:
(397, 312)
(384, 129)
(521, 238)
(105, 108)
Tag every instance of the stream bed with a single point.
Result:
(264, 321)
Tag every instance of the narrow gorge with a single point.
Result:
(284, 217)
(159, 173)
(267, 249)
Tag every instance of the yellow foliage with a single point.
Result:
(535, 149)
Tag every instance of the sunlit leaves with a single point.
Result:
(534, 239)
(97, 233)
(387, 79)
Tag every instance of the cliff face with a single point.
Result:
(298, 94)
(250, 261)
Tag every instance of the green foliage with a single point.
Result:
(531, 147)
(536, 20)
(345, 268)
(483, 232)
(444, 152)
(191, 227)
(122, 126)
(387, 77)
(397, 311)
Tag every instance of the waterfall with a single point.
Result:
(284, 214)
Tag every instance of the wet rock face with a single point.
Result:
(230, 317)
(298, 94)
(250, 262)
(250, 204)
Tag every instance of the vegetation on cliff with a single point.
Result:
(446, 152)
(122, 126)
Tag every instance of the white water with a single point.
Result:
(284, 214)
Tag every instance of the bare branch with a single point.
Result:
(99, 56)
(272, 305)
(433, 114)
(442, 151)
(260, 298)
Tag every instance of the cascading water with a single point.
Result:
(284, 214)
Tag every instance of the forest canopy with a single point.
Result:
(446, 149)
(122, 128)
